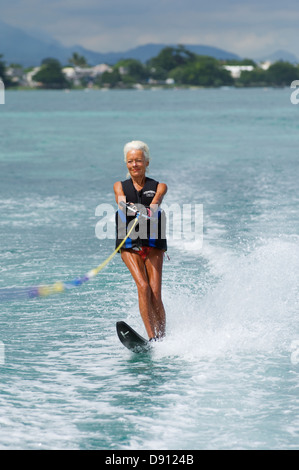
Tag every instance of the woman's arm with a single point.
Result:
(160, 193)
(119, 193)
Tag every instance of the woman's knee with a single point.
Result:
(143, 287)
(156, 294)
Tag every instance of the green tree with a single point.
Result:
(168, 59)
(282, 73)
(110, 79)
(204, 71)
(51, 75)
(240, 62)
(78, 60)
(131, 71)
(2, 69)
(278, 74)
(7, 82)
(257, 77)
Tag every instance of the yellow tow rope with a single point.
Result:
(59, 287)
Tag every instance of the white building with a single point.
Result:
(69, 73)
(16, 75)
(75, 74)
(29, 75)
(236, 70)
(265, 65)
(100, 69)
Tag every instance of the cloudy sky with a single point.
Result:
(249, 28)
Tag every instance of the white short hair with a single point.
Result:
(137, 145)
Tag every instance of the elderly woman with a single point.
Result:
(143, 253)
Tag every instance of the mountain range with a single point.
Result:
(27, 49)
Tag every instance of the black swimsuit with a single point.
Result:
(147, 233)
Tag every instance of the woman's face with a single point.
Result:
(136, 163)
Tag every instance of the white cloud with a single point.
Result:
(248, 29)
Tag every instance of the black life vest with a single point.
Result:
(146, 232)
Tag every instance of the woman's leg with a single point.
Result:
(136, 266)
(154, 264)
(148, 278)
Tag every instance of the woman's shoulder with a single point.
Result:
(117, 186)
(163, 186)
(160, 186)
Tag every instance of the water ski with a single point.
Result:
(131, 339)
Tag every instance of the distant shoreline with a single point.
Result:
(149, 88)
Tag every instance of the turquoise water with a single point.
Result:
(227, 374)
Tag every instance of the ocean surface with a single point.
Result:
(227, 374)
